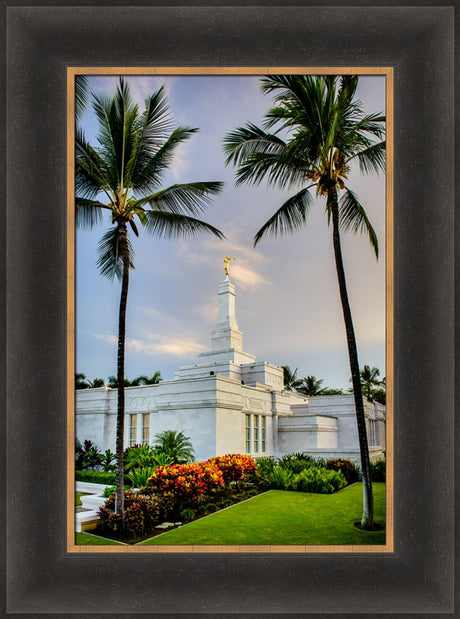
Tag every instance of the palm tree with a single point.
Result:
(145, 380)
(311, 386)
(175, 445)
(369, 380)
(122, 177)
(327, 131)
(291, 382)
(81, 381)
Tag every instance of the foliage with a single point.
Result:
(139, 476)
(145, 455)
(235, 467)
(81, 382)
(142, 513)
(378, 470)
(349, 469)
(369, 380)
(187, 483)
(310, 386)
(291, 382)
(87, 456)
(319, 480)
(186, 514)
(175, 445)
(265, 465)
(110, 490)
(296, 462)
(278, 478)
(95, 477)
(107, 461)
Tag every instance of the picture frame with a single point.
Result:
(41, 576)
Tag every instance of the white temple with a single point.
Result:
(227, 402)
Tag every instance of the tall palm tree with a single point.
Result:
(369, 380)
(122, 177)
(327, 132)
(291, 382)
(311, 386)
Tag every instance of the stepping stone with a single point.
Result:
(165, 525)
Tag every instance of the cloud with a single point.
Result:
(176, 346)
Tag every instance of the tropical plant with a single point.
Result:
(291, 382)
(139, 476)
(107, 461)
(327, 132)
(235, 467)
(187, 483)
(369, 380)
(310, 386)
(146, 380)
(96, 382)
(348, 468)
(121, 177)
(81, 381)
(175, 445)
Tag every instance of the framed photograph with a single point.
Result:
(51, 162)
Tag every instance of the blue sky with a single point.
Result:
(287, 302)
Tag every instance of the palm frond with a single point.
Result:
(81, 95)
(243, 142)
(352, 216)
(149, 169)
(176, 225)
(289, 217)
(372, 158)
(87, 212)
(110, 259)
(187, 198)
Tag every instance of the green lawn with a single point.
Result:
(278, 517)
(77, 499)
(94, 540)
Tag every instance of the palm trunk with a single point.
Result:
(368, 500)
(119, 498)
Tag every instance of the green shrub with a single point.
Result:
(212, 507)
(202, 510)
(225, 503)
(186, 514)
(139, 477)
(95, 477)
(265, 465)
(110, 490)
(378, 470)
(349, 469)
(277, 479)
(318, 480)
(296, 462)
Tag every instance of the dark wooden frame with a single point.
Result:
(40, 43)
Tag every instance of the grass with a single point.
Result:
(278, 517)
(94, 540)
(78, 499)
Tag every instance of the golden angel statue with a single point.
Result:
(226, 261)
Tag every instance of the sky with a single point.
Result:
(287, 298)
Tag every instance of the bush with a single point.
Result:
(139, 477)
(378, 470)
(142, 513)
(235, 467)
(349, 469)
(186, 514)
(265, 465)
(87, 456)
(187, 483)
(212, 507)
(318, 480)
(296, 462)
(278, 478)
(110, 490)
(95, 477)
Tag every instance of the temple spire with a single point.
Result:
(227, 335)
